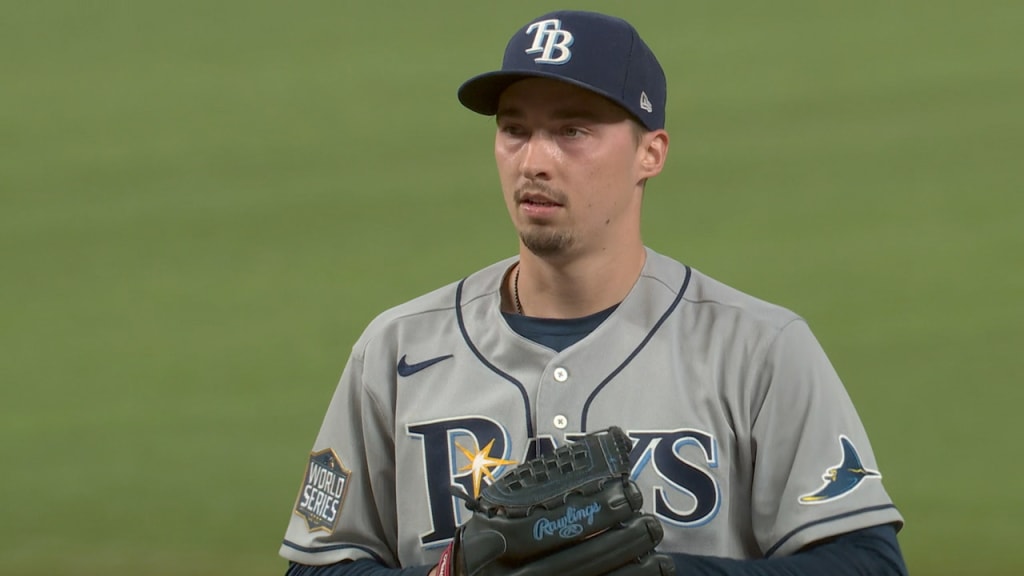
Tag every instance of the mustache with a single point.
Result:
(554, 194)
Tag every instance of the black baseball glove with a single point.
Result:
(574, 512)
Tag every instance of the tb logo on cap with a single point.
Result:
(549, 38)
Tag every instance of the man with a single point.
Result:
(746, 446)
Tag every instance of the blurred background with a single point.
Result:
(202, 204)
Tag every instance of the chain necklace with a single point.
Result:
(515, 293)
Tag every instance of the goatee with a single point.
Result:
(545, 242)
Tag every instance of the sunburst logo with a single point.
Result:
(481, 463)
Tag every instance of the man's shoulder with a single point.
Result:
(437, 307)
(705, 295)
(437, 300)
(712, 293)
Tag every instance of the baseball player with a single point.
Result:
(745, 445)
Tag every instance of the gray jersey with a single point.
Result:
(746, 444)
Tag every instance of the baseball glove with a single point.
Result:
(574, 512)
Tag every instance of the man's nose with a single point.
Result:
(538, 157)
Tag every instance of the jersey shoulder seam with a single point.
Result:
(764, 358)
(409, 309)
(788, 315)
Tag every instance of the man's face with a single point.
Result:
(571, 165)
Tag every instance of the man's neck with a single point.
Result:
(552, 288)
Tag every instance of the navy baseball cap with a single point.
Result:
(600, 53)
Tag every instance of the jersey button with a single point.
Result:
(561, 374)
(560, 422)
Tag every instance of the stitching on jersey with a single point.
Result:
(799, 529)
(636, 351)
(665, 285)
(764, 360)
(479, 356)
(378, 407)
(763, 317)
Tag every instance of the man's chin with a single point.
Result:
(546, 242)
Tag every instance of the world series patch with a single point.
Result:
(323, 491)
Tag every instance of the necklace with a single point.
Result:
(515, 293)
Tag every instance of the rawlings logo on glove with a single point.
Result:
(568, 526)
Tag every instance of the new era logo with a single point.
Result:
(645, 102)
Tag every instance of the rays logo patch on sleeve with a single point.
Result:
(323, 491)
(842, 478)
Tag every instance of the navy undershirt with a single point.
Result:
(556, 334)
(869, 552)
(872, 551)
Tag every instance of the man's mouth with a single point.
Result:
(535, 201)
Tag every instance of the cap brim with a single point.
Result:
(481, 93)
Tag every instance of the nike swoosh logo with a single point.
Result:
(406, 370)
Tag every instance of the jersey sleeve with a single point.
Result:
(815, 475)
(344, 493)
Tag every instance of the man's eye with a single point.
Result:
(513, 130)
(572, 132)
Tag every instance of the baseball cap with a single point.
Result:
(600, 53)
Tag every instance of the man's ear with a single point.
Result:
(653, 152)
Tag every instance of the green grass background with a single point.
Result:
(203, 203)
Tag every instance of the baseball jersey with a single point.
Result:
(746, 444)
